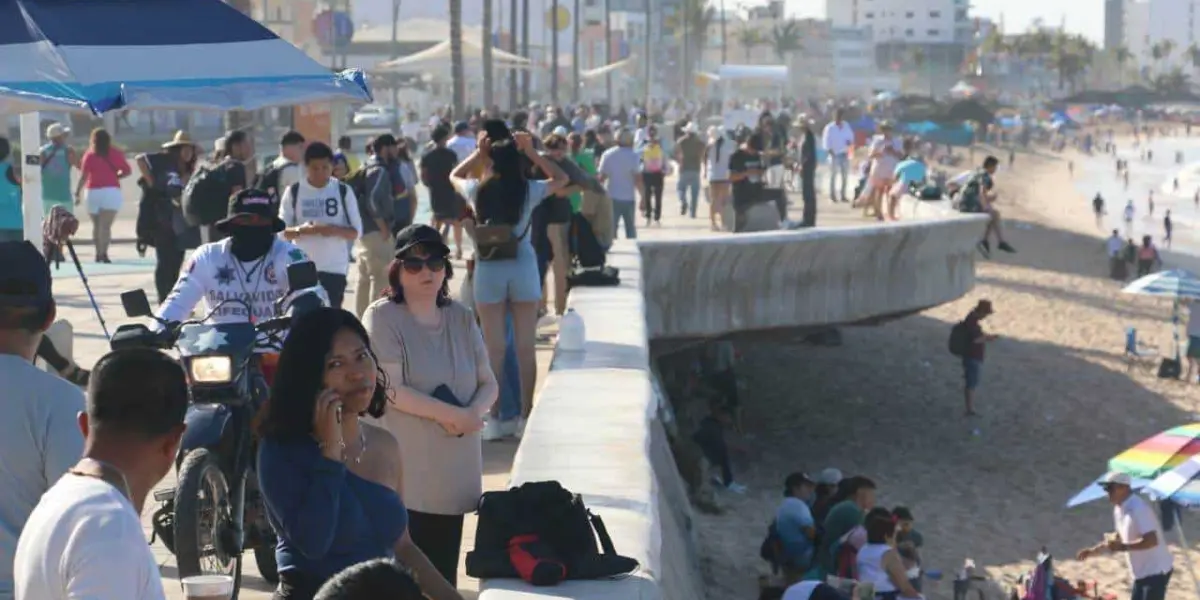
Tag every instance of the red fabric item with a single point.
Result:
(534, 560)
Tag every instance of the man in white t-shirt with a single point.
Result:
(463, 143)
(838, 140)
(1139, 535)
(1193, 333)
(321, 214)
(85, 538)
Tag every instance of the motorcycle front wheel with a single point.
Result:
(203, 521)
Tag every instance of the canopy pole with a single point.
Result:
(30, 165)
(1187, 552)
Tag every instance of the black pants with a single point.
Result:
(808, 191)
(335, 286)
(166, 270)
(47, 352)
(440, 538)
(654, 193)
(711, 441)
(1153, 587)
(294, 585)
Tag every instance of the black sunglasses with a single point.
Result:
(414, 264)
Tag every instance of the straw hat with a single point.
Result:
(181, 139)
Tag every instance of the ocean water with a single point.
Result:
(1099, 174)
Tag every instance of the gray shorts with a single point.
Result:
(514, 280)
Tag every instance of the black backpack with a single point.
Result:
(557, 518)
(295, 190)
(206, 198)
(268, 181)
(358, 180)
(960, 340)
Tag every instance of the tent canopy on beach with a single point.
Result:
(103, 55)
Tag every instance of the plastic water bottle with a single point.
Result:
(571, 332)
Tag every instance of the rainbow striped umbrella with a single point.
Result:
(1159, 454)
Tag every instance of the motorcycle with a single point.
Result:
(215, 512)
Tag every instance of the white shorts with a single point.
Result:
(99, 199)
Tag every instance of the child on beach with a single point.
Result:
(908, 542)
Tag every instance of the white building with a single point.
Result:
(1150, 22)
(906, 21)
(854, 69)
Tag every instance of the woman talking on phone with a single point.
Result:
(332, 484)
(506, 272)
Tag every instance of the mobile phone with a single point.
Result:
(338, 410)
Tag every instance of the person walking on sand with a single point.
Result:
(1167, 227)
(1150, 204)
(1129, 210)
(1193, 348)
(1098, 210)
(972, 358)
(1139, 536)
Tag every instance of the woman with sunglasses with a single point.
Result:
(441, 387)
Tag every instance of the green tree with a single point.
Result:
(1173, 81)
(749, 38)
(786, 38)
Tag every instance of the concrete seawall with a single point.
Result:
(809, 278)
(598, 423)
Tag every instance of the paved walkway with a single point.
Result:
(131, 271)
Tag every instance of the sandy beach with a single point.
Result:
(1056, 403)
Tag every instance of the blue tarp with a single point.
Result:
(100, 55)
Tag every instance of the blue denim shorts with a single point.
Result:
(972, 371)
(508, 281)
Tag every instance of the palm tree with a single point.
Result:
(748, 38)
(1070, 57)
(1193, 54)
(457, 78)
(575, 54)
(785, 39)
(696, 16)
(554, 52)
(1122, 55)
(724, 36)
(1173, 81)
(487, 54)
(513, 87)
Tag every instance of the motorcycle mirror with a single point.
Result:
(302, 275)
(136, 304)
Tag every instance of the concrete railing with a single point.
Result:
(808, 278)
(596, 429)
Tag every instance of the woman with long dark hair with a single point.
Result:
(441, 388)
(163, 177)
(101, 171)
(332, 484)
(506, 273)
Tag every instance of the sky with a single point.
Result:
(1082, 16)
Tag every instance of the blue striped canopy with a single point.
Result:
(1176, 284)
(101, 55)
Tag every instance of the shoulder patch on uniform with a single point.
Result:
(296, 255)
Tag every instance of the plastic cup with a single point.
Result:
(207, 587)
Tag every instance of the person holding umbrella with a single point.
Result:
(1139, 535)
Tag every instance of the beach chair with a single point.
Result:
(1137, 353)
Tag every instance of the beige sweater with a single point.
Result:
(443, 474)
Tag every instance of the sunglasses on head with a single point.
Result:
(414, 264)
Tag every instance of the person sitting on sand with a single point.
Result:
(978, 196)
(908, 542)
(827, 487)
(1139, 535)
(879, 561)
(855, 497)
(795, 526)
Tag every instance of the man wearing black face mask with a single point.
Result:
(249, 265)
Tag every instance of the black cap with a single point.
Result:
(798, 478)
(252, 203)
(385, 140)
(25, 278)
(461, 126)
(420, 235)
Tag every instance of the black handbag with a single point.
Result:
(496, 241)
(1169, 368)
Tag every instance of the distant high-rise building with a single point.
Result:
(904, 21)
(1114, 23)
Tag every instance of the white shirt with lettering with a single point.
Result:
(85, 541)
(214, 274)
(1134, 519)
(303, 203)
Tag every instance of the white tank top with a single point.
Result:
(870, 567)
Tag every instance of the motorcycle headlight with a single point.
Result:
(211, 369)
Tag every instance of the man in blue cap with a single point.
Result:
(39, 438)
